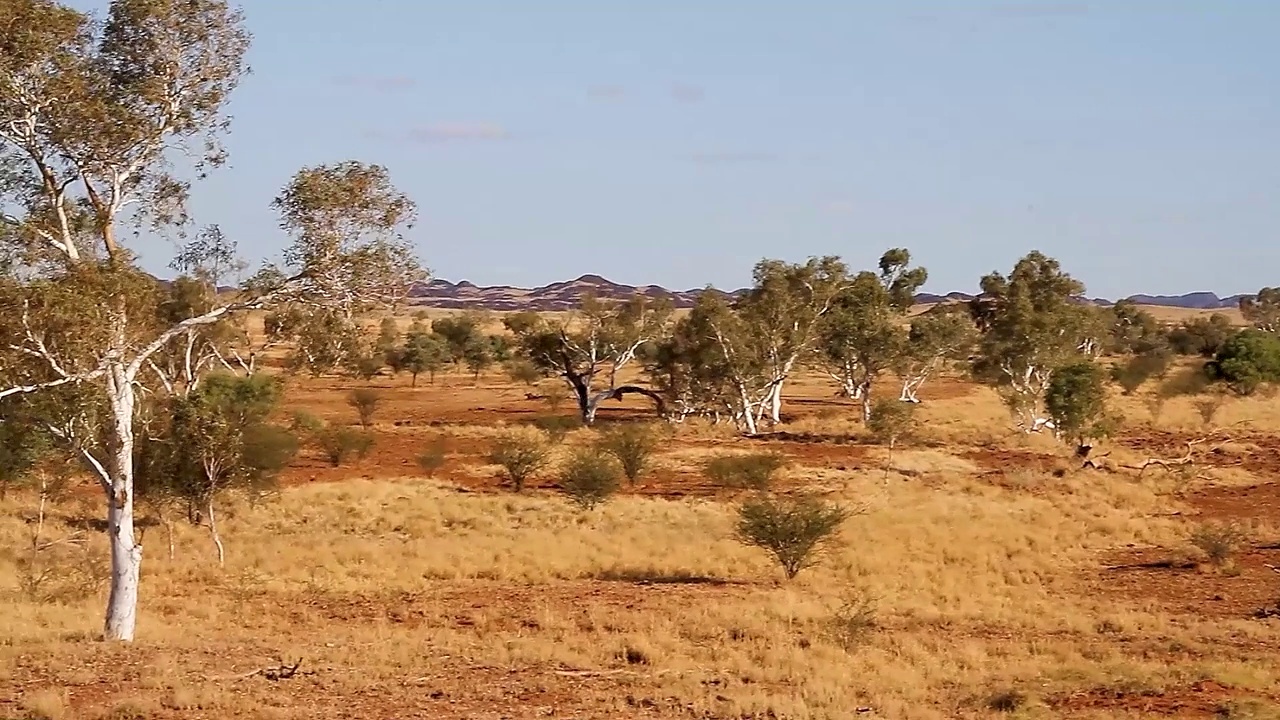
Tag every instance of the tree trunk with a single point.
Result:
(414, 381)
(213, 530)
(126, 553)
(775, 403)
(864, 391)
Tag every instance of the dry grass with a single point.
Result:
(965, 589)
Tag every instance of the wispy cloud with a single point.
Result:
(606, 92)
(687, 93)
(732, 158)
(381, 83)
(458, 131)
(1038, 9)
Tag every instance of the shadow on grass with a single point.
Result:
(646, 576)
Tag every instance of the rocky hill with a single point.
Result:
(439, 293)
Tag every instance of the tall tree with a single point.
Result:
(592, 348)
(783, 311)
(940, 336)
(90, 114)
(1031, 323)
(865, 333)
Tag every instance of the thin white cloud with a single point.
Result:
(687, 93)
(732, 158)
(458, 131)
(382, 83)
(606, 92)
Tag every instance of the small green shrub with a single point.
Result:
(853, 622)
(341, 443)
(557, 427)
(754, 471)
(1219, 541)
(793, 530)
(521, 455)
(632, 446)
(366, 402)
(433, 456)
(589, 477)
(891, 421)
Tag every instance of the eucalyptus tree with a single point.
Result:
(1263, 309)
(1031, 323)
(90, 115)
(941, 336)
(590, 350)
(865, 333)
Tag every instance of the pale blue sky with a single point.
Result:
(679, 142)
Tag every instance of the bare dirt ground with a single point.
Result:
(1004, 581)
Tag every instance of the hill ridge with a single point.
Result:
(567, 294)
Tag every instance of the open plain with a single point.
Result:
(985, 575)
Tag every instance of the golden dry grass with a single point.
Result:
(444, 598)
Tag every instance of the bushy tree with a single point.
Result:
(864, 334)
(1076, 399)
(216, 439)
(891, 422)
(589, 477)
(521, 454)
(365, 401)
(632, 445)
(1031, 323)
(1201, 336)
(793, 530)
(1263, 309)
(1136, 370)
(90, 114)
(423, 351)
(1246, 361)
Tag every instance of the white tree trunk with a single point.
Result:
(213, 530)
(126, 553)
(775, 403)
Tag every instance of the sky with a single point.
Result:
(678, 143)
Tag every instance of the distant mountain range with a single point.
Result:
(439, 293)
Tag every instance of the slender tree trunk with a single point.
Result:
(126, 553)
(775, 403)
(864, 391)
(213, 530)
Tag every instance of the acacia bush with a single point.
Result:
(753, 471)
(340, 443)
(1219, 541)
(366, 402)
(433, 456)
(632, 445)
(557, 427)
(1134, 372)
(793, 530)
(521, 453)
(590, 477)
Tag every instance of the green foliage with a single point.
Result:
(460, 333)
(388, 336)
(478, 355)
(1077, 402)
(521, 454)
(1136, 370)
(340, 443)
(214, 440)
(22, 445)
(367, 367)
(1219, 541)
(1031, 323)
(433, 456)
(557, 427)
(365, 401)
(522, 371)
(589, 477)
(1201, 336)
(632, 445)
(754, 471)
(1134, 331)
(1263, 309)
(1246, 361)
(422, 352)
(891, 421)
(793, 530)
